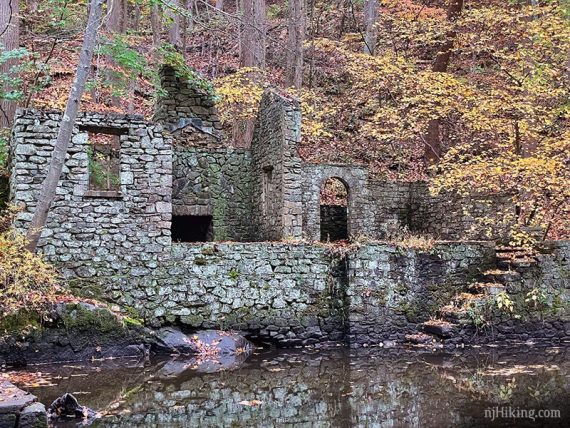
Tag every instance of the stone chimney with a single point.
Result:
(184, 104)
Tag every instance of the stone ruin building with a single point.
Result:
(120, 229)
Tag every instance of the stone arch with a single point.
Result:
(354, 178)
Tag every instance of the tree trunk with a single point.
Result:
(252, 44)
(10, 40)
(295, 38)
(174, 29)
(370, 34)
(433, 139)
(49, 185)
(155, 25)
(115, 23)
(253, 34)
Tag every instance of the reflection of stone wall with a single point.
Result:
(368, 388)
(216, 183)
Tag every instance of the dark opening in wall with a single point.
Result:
(192, 228)
(334, 210)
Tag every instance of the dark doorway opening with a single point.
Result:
(192, 228)
(334, 210)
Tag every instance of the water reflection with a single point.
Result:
(340, 388)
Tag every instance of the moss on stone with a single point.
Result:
(82, 317)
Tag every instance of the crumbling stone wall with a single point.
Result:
(85, 225)
(217, 183)
(284, 293)
(276, 169)
(184, 100)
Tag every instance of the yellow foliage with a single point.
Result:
(26, 280)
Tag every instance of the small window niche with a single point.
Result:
(192, 228)
(266, 188)
(104, 146)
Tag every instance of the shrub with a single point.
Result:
(27, 282)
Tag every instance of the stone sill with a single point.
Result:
(109, 194)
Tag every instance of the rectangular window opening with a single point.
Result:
(104, 159)
(192, 228)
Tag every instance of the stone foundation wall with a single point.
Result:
(289, 293)
(216, 183)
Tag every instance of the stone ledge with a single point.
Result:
(110, 194)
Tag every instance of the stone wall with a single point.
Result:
(182, 101)
(277, 292)
(89, 226)
(450, 216)
(391, 289)
(392, 207)
(276, 169)
(216, 183)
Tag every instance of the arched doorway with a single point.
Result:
(334, 210)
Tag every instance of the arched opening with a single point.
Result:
(334, 210)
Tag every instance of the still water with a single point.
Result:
(371, 387)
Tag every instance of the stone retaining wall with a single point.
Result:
(391, 290)
(290, 293)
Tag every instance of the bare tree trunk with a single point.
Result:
(252, 47)
(49, 186)
(295, 38)
(9, 40)
(174, 29)
(432, 150)
(155, 25)
(370, 34)
(115, 23)
(253, 34)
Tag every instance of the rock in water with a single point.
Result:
(205, 342)
(67, 406)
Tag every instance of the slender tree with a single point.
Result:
(9, 40)
(174, 26)
(295, 37)
(252, 54)
(49, 185)
(253, 34)
(433, 139)
(115, 23)
(370, 33)
(155, 24)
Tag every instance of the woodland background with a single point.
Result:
(470, 95)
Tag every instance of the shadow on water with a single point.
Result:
(340, 387)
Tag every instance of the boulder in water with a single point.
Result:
(67, 406)
(204, 342)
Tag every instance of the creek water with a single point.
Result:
(372, 387)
